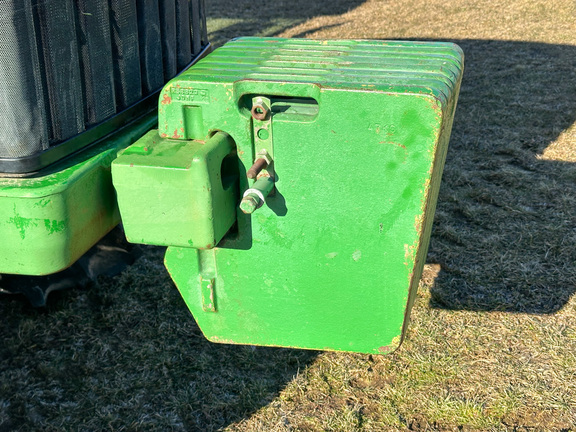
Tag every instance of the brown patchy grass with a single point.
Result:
(492, 344)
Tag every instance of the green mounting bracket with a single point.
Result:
(175, 192)
(262, 126)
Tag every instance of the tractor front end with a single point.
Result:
(79, 80)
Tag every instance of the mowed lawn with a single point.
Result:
(492, 343)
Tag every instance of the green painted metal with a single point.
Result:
(255, 196)
(356, 133)
(50, 220)
(175, 192)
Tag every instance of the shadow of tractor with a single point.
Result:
(227, 20)
(505, 228)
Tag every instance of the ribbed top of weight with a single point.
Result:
(387, 66)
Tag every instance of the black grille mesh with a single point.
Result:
(150, 44)
(127, 74)
(168, 30)
(183, 30)
(66, 65)
(23, 126)
(62, 79)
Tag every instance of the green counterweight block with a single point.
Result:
(174, 192)
(337, 148)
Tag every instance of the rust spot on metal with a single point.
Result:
(384, 349)
(435, 104)
(163, 135)
(393, 143)
(418, 222)
(260, 112)
(218, 339)
(399, 145)
(176, 136)
(409, 251)
(410, 258)
(166, 99)
(255, 169)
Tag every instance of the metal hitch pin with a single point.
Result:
(260, 164)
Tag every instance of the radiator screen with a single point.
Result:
(68, 65)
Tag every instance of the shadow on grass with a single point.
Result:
(505, 227)
(250, 18)
(125, 354)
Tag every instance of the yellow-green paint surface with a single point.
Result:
(181, 199)
(358, 132)
(48, 221)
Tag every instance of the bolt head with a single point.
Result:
(249, 204)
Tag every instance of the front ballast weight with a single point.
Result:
(294, 183)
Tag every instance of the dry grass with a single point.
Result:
(492, 345)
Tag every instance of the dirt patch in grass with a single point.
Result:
(492, 343)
